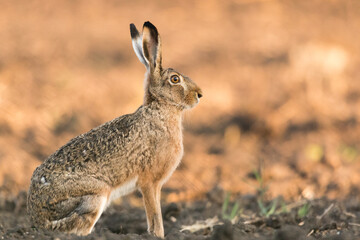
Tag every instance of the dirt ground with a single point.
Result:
(202, 220)
(278, 123)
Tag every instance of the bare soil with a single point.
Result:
(325, 219)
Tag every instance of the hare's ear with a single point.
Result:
(152, 46)
(137, 45)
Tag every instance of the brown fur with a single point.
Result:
(70, 190)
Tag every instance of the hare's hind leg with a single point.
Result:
(82, 218)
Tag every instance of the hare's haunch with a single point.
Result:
(71, 189)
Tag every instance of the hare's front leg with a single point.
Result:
(151, 194)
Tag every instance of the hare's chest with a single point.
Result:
(170, 159)
(170, 147)
(169, 170)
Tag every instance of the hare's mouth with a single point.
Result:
(192, 99)
(192, 105)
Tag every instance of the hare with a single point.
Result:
(71, 189)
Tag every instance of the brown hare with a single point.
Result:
(71, 189)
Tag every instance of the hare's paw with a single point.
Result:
(82, 219)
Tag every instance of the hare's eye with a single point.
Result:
(175, 79)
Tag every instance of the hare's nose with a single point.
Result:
(199, 94)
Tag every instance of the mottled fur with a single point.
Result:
(71, 189)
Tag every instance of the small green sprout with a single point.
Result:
(234, 211)
(269, 209)
(304, 210)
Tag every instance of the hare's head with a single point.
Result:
(164, 85)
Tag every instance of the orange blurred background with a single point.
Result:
(280, 81)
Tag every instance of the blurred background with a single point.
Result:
(280, 81)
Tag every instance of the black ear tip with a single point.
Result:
(149, 25)
(133, 31)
